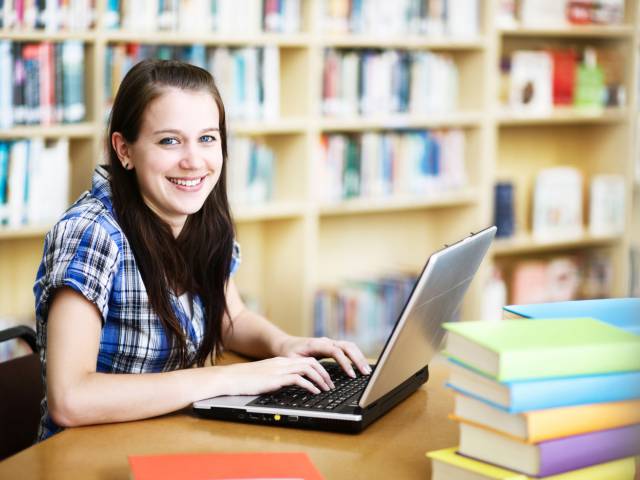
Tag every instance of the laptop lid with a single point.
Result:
(435, 299)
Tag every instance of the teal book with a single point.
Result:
(620, 312)
(547, 348)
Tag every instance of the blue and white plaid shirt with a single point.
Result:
(87, 251)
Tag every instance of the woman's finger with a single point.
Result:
(299, 380)
(307, 369)
(356, 356)
(343, 360)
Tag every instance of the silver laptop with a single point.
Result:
(400, 370)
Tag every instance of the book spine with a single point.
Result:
(555, 423)
(569, 361)
(563, 455)
(536, 395)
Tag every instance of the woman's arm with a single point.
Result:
(253, 335)
(78, 395)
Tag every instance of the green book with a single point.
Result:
(526, 349)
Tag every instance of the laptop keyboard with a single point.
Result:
(347, 392)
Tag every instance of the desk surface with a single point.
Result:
(392, 447)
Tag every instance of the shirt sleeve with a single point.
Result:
(79, 254)
(236, 257)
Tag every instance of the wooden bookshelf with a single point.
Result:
(526, 244)
(566, 115)
(572, 31)
(405, 42)
(295, 244)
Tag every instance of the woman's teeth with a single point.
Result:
(186, 183)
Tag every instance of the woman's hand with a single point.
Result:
(345, 353)
(254, 378)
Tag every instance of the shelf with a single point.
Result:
(27, 231)
(71, 130)
(268, 127)
(527, 244)
(273, 211)
(401, 121)
(413, 42)
(356, 206)
(563, 115)
(185, 38)
(41, 35)
(573, 31)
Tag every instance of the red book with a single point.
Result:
(228, 466)
(564, 76)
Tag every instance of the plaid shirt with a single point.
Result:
(87, 251)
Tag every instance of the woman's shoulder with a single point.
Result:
(87, 213)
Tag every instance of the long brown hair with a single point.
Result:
(198, 261)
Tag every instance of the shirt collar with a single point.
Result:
(101, 186)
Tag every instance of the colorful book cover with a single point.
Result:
(620, 312)
(228, 466)
(551, 457)
(520, 349)
(623, 469)
(548, 424)
(523, 396)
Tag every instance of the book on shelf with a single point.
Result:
(557, 204)
(34, 181)
(205, 16)
(227, 466)
(607, 205)
(527, 395)
(522, 349)
(47, 15)
(590, 82)
(404, 164)
(543, 13)
(455, 19)
(251, 173)
(586, 78)
(41, 83)
(494, 295)
(379, 82)
(620, 312)
(594, 12)
(564, 75)
(540, 425)
(583, 275)
(562, 13)
(531, 82)
(504, 209)
(248, 77)
(448, 464)
(363, 311)
(550, 457)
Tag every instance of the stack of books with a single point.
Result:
(552, 398)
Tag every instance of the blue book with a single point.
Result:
(620, 312)
(524, 396)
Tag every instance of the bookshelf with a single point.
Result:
(297, 243)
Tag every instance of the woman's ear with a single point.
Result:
(121, 148)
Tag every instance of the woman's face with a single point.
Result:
(178, 154)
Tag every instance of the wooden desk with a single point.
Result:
(393, 447)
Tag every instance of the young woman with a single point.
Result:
(135, 286)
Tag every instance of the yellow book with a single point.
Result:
(448, 465)
(539, 425)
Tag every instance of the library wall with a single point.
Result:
(360, 141)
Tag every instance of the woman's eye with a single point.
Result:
(169, 141)
(207, 138)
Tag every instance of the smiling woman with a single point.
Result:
(136, 277)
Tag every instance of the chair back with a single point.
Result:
(21, 392)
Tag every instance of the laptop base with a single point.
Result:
(304, 421)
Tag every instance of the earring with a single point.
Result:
(126, 165)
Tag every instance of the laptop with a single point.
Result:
(400, 370)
